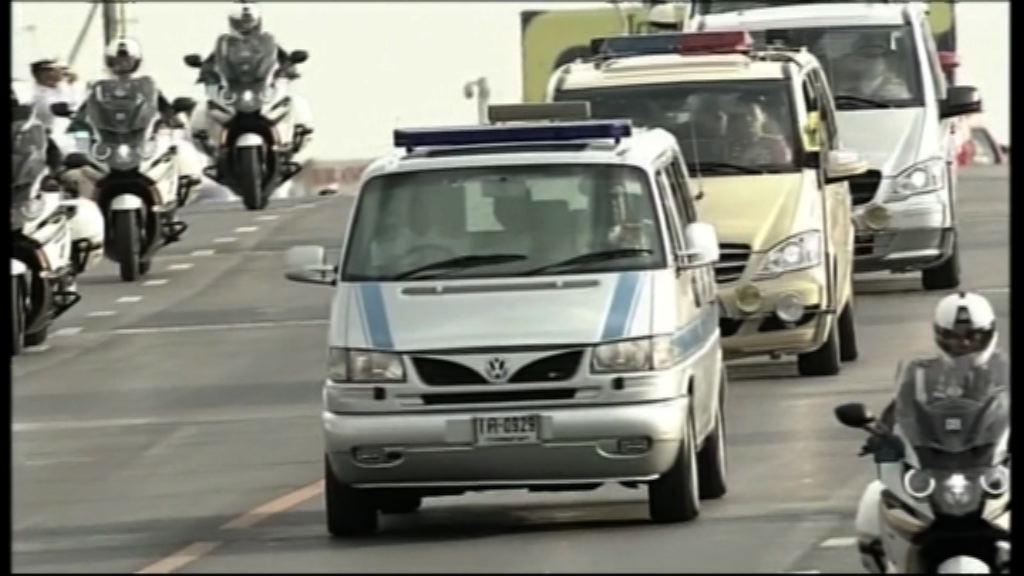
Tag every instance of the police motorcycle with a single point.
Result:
(42, 269)
(942, 500)
(133, 171)
(252, 134)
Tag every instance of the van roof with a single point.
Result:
(823, 15)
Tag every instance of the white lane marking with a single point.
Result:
(211, 327)
(225, 240)
(204, 252)
(69, 331)
(78, 424)
(839, 542)
(243, 229)
(129, 299)
(102, 313)
(267, 217)
(51, 461)
(186, 555)
(179, 421)
(155, 282)
(180, 266)
(994, 290)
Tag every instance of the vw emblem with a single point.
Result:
(496, 369)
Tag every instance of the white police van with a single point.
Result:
(523, 305)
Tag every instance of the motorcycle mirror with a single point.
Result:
(298, 56)
(61, 109)
(854, 415)
(193, 60)
(183, 104)
(75, 160)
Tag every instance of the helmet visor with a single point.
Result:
(963, 339)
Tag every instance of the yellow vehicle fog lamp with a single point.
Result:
(748, 298)
(789, 308)
(877, 217)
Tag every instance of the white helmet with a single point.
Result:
(245, 18)
(123, 56)
(965, 327)
(663, 16)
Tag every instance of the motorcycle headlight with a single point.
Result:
(996, 480)
(798, 252)
(921, 178)
(918, 483)
(958, 495)
(345, 365)
(32, 209)
(639, 355)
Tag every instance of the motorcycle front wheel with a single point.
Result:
(126, 239)
(250, 178)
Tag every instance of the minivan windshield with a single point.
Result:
(729, 127)
(702, 7)
(500, 221)
(867, 66)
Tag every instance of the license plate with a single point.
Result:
(497, 430)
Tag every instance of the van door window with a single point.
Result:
(681, 191)
(671, 213)
(826, 110)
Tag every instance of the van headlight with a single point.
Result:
(797, 252)
(347, 365)
(921, 178)
(638, 355)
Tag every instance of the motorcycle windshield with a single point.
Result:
(28, 151)
(121, 111)
(245, 63)
(954, 407)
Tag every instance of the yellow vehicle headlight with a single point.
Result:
(798, 252)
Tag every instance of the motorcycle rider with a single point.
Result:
(53, 83)
(965, 334)
(245, 20)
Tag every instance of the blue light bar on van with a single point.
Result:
(410, 138)
(685, 43)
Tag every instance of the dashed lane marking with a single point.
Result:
(102, 313)
(225, 240)
(180, 266)
(69, 331)
(129, 299)
(244, 229)
(839, 542)
(155, 282)
(204, 252)
(267, 217)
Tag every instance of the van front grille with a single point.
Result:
(732, 260)
(864, 186)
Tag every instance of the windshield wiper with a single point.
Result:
(462, 262)
(591, 257)
(849, 98)
(726, 167)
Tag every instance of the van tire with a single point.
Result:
(945, 276)
(399, 503)
(350, 511)
(674, 496)
(825, 360)
(712, 469)
(847, 334)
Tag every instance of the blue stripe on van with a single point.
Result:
(621, 309)
(376, 317)
(691, 337)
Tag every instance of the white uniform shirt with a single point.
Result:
(45, 95)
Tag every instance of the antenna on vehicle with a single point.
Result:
(696, 158)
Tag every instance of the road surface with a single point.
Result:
(173, 424)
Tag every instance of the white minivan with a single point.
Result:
(895, 108)
(526, 305)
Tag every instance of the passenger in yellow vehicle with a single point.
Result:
(751, 139)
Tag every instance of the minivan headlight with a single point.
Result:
(347, 365)
(797, 252)
(637, 355)
(921, 178)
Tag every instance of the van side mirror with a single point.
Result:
(949, 61)
(298, 56)
(960, 100)
(61, 109)
(308, 264)
(842, 165)
(854, 415)
(701, 245)
(193, 60)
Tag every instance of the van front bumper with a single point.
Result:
(438, 449)
(914, 234)
(760, 331)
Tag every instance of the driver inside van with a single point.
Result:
(869, 72)
(753, 134)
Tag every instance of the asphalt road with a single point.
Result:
(173, 423)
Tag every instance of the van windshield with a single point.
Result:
(729, 127)
(703, 7)
(867, 66)
(500, 221)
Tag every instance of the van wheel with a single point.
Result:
(847, 334)
(399, 503)
(674, 496)
(825, 360)
(350, 511)
(711, 460)
(945, 276)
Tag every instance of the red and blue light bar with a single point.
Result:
(410, 138)
(685, 43)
